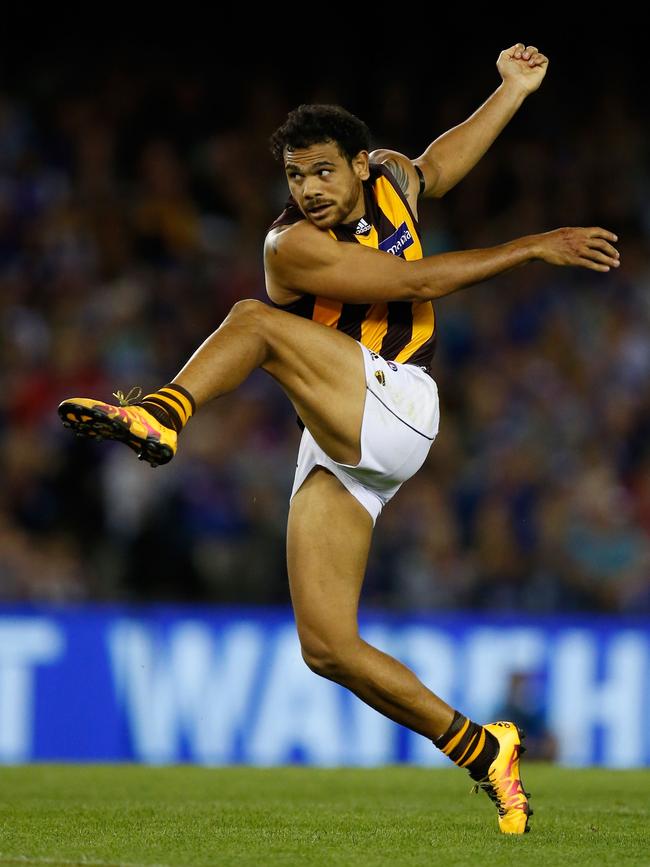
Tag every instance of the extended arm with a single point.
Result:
(451, 156)
(303, 259)
(454, 154)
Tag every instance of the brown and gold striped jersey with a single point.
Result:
(397, 330)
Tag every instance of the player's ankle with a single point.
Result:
(172, 405)
(469, 745)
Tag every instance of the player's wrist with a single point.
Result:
(531, 247)
(514, 89)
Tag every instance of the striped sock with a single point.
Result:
(469, 746)
(172, 405)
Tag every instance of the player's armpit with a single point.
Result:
(304, 258)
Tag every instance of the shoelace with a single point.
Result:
(488, 787)
(134, 395)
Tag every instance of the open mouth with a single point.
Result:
(318, 210)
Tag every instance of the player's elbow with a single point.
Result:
(418, 288)
(440, 189)
(434, 181)
(437, 187)
(406, 281)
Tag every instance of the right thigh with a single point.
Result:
(322, 372)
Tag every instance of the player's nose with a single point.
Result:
(311, 190)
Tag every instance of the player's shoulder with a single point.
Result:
(402, 171)
(287, 248)
(299, 229)
(384, 155)
(296, 239)
(399, 165)
(291, 251)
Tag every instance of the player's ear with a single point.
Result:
(360, 165)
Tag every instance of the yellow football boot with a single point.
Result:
(503, 783)
(133, 425)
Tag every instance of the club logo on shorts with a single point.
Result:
(379, 376)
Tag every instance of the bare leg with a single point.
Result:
(329, 532)
(320, 369)
(327, 549)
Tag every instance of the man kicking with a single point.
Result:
(349, 336)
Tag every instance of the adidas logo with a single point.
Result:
(363, 227)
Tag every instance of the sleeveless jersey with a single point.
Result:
(401, 331)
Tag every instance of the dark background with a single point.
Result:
(135, 189)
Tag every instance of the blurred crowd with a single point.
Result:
(132, 215)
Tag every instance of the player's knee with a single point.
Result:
(250, 310)
(327, 659)
(322, 663)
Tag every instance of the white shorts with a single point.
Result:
(400, 422)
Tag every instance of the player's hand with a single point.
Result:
(522, 66)
(589, 248)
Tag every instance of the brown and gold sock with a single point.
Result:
(172, 405)
(469, 745)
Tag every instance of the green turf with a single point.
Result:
(54, 814)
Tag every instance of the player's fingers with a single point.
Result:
(600, 244)
(597, 232)
(516, 50)
(529, 51)
(538, 60)
(597, 256)
(594, 266)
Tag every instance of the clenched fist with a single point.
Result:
(522, 67)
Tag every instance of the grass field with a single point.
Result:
(127, 815)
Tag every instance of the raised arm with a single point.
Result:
(451, 156)
(302, 259)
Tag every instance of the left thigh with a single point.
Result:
(328, 541)
(322, 372)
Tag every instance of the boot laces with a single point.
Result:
(132, 397)
(489, 788)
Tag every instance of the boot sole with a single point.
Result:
(94, 424)
(522, 749)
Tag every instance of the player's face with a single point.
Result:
(326, 187)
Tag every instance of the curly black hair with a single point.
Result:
(313, 124)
